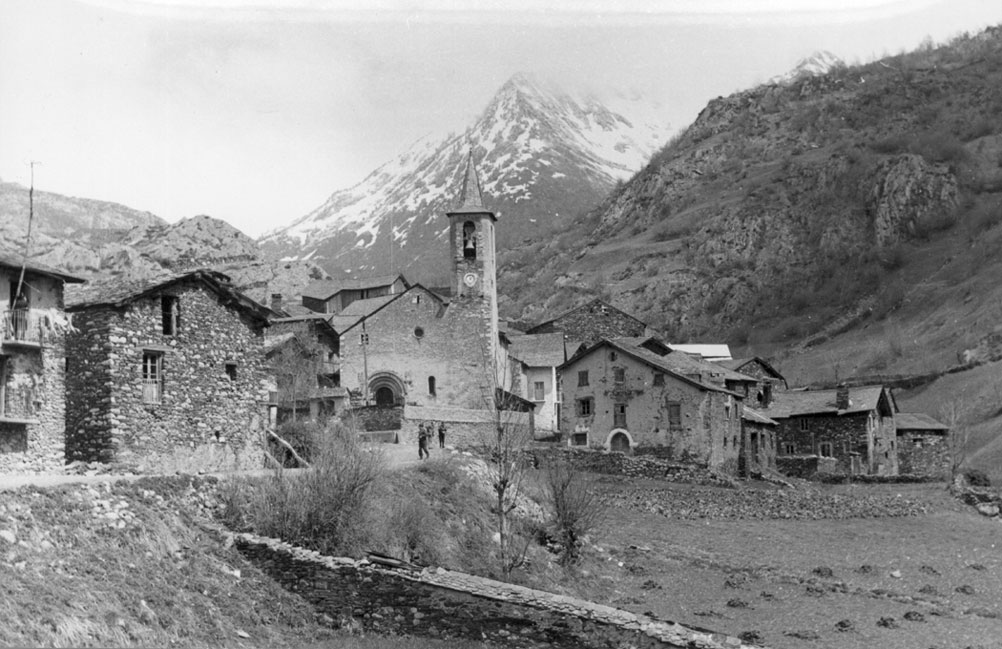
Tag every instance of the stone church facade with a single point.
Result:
(420, 349)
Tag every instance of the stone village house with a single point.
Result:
(854, 427)
(923, 445)
(167, 373)
(303, 355)
(540, 355)
(622, 396)
(32, 365)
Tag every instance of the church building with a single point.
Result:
(418, 348)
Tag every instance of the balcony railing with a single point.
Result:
(21, 325)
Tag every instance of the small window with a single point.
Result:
(431, 385)
(419, 332)
(659, 378)
(417, 299)
(231, 371)
(169, 314)
(153, 378)
(582, 378)
(825, 449)
(789, 448)
(674, 416)
(725, 442)
(618, 374)
(585, 407)
(619, 415)
(805, 424)
(612, 356)
(538, 391)
(363, 339)
(579, 439)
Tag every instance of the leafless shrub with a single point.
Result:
(575, 510)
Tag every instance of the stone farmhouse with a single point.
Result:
(303, 356)
(32, 365)
(923, 445)
(770, 380)
(593, 321)
(165, 373)
(854, 427)
(621, 396)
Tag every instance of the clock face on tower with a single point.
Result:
(470, 279)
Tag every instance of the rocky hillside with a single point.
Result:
(783, 210)
(544, 157)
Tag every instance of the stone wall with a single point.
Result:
(645, 463)
(439, 603)
(415, 338)
(849, 437)
(709, 430)
(925, 454)
(34, 390)
(809, 466)
(206, 420)
(592, 322)
(466, 428)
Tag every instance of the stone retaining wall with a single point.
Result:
(466, 428)
(638, 466)
(440, 603)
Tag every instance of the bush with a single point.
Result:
(322, 508)
(575, 510)
(977, 478)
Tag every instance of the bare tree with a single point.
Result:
(296, 365)
(575, 510)
(504, 449)
(958, 437)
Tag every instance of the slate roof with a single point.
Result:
(737, 363)
(324, 289)
(472, 199)
(579, 307)
(750, 414)
(685, 363)
(658, 362)
(118, 292)
(918, 421)
(362, 309)
(368, 305)
(538, 350)
(13, 261)
(817, 402)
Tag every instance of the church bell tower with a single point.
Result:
(471, 243)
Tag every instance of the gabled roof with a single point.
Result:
(117, 293)
(325, 289)
(602, 304)
(737, 363)
(359, 310)
(822, 402)
(648, 357)
(711, 352)
(13, 262)
(685, 363)
(538, 350)
(650, 343)
(918, 421)
(750, 414)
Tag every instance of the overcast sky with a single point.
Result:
(256, 111)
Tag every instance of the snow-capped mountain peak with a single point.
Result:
(537, 149)
(817, 64)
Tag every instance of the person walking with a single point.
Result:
(441, 434)
(422, 440)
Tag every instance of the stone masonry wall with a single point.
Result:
(205, 421)
(924, 454)
(710, 431)
(847, 434)
(415, 338)
(591, 323)
(466, 428)
(35, 391)
(440, 603)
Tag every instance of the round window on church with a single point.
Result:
(418, 332)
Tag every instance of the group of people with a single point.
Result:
(425, 430)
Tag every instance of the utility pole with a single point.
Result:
(31, 215)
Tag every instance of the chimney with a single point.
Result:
(276, 301)
(842, 397)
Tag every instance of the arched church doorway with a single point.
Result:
(386, 389)
(619, 442)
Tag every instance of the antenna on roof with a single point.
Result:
(31, 215)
